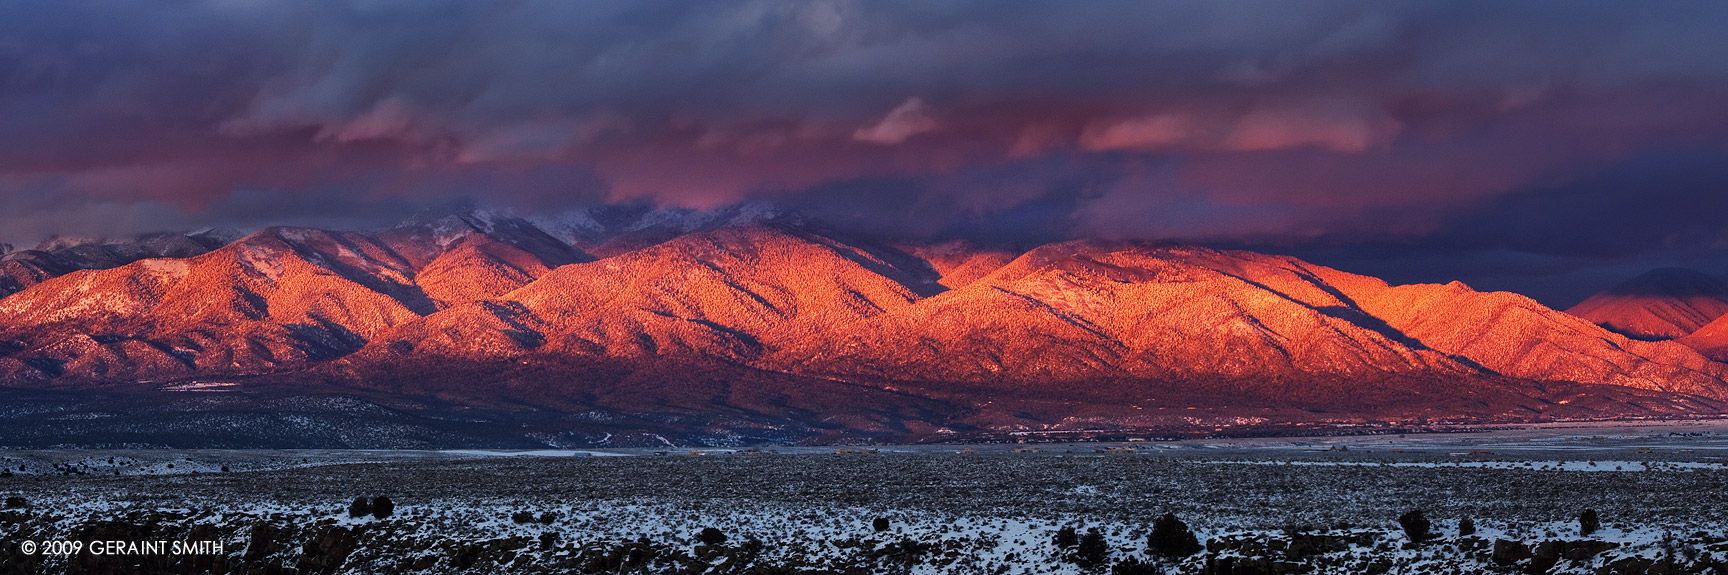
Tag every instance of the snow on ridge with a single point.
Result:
(224, 235)
(263, 262)
(567, 225)
(60, 242)
(175, 268)
(576, 225)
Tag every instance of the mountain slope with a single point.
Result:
(1517, 337)
(607, 231)
(280, 298)
(783, 326)
(731, 293)
(1710, 340)
(1664, 303)
(464, 253)
(1081, 310)
(60, 256)
(959, 262)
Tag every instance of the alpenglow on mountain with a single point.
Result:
(614, 326)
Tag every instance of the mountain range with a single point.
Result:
(616, 326)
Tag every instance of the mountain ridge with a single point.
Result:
(1664, 303)
(760, 319)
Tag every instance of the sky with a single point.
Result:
(1551, 148)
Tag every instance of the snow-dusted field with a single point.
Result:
(1320, 505)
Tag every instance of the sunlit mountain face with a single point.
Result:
(813, 220)
(727, 321)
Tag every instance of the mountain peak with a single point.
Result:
(1671, 282)
(1663, 303)
(449, 221)
(60, 242)
(614, 229)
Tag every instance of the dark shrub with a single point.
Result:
(1466, 527)
(711, 536)
(14, 502)
(1134, 566)
(1416, 525)
(1171, 538)
(522, 517)
(1588, 522)
(548, 518)
(1066, 538)
(880, 524)
(905, 553)
(1092, 552)
(382, 507)
(361, 507)
(625, 557)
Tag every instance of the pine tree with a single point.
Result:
(1092, 552)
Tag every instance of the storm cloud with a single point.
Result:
(1454, 126)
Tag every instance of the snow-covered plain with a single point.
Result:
(1275, 505)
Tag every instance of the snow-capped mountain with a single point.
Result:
(750, 317)
(60, 255)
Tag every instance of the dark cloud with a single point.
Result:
(1659, 200)
(1443, 125)
(1562, 241)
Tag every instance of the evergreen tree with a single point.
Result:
(1588, 522)
(1092, 552)
(1172, 539)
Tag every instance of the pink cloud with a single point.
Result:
(1153, 132)
(392, 118)
(910, 118)
(1324, 125)
(1337, 129)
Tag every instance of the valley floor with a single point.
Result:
(1275, 505)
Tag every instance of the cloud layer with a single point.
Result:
(1250, 122)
